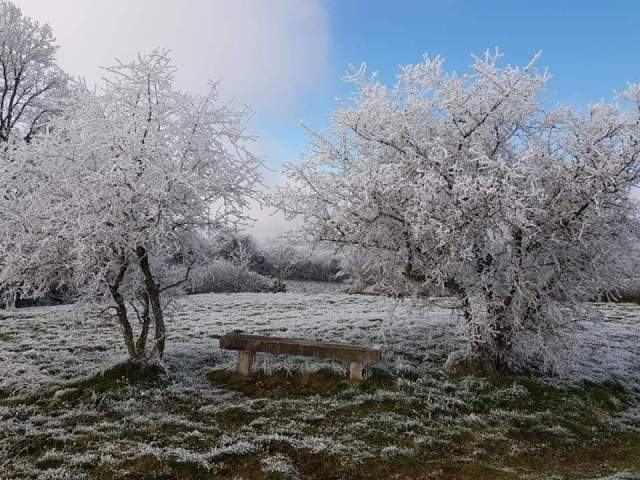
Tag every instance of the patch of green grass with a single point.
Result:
(499, 427)
(283, 384)
(125, 372)
(234, 417)
(532, 395)
(117, 377)
(6, 337)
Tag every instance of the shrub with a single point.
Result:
(221, 275)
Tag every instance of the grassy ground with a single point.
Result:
(298, 418)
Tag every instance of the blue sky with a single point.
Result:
(590, 47)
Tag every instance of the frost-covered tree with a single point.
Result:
(32, 87)
(124, 180)
(470, 184)
(281, 257)
(30, 79)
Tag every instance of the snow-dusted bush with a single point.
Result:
(282, 258)
(220, 275)
(469, 184)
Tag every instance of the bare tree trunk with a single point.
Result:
(121, 313)
(12, 299)
(153, 293)
(502, 343)
(141, 344)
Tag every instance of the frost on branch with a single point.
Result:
(122, 184)
(470, 185)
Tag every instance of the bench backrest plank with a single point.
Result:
(295, 346)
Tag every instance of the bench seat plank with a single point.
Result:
(306, 348)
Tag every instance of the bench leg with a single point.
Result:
(355, 372)
(245, 359)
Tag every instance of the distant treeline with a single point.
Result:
(281, 259)
(237, 263)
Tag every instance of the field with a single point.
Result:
(70, 410)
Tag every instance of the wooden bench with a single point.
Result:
(248, 345)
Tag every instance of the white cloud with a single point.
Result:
(269, 223)
(265, 52)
